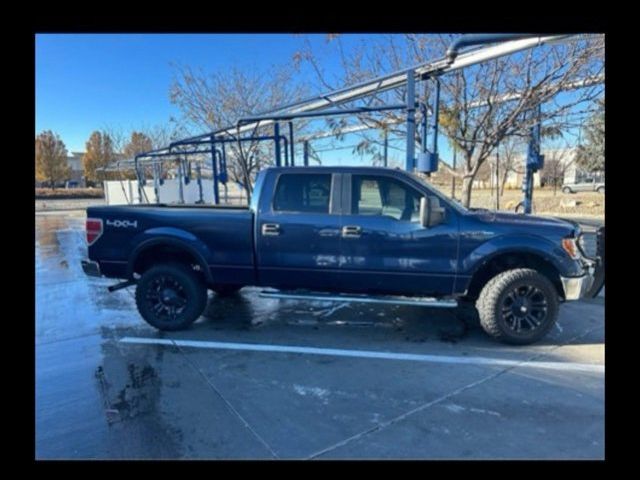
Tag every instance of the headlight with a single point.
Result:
(569, 245)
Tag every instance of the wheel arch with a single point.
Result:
(169, 248)
(508, 260)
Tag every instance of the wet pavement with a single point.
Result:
(265, 378)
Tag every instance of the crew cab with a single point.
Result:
(343, 230)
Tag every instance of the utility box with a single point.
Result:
(427, 162)
(535, 162)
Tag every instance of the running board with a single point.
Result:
(386, 299)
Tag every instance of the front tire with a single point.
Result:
(567, 190)
(518, 306)
(170, 296)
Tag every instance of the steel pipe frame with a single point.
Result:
(308, 108)
(394, 80)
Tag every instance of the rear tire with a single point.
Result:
(170, 296)
(518, 306)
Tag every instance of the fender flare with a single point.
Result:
(541, 254)
(173, 242)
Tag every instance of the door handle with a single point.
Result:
(351, 231)
(270, 229)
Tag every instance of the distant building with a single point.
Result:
(74, 162)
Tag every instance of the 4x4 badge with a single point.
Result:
(122, 223)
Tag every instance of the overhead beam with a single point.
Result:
(391, 81)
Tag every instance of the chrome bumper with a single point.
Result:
(91, 268)
(576, 288)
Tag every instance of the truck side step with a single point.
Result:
(383, 299)
(120, 286)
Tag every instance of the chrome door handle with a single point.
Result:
(270, 229)
(351, 231)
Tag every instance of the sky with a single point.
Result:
(86, 82)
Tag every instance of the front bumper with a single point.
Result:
(91, 268)
(576, 288)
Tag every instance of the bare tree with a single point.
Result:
(591, 153)
(472, 114)
(118, 137)
(212, 101)
(511, 158)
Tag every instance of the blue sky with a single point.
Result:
(84, 82)
(87, 82)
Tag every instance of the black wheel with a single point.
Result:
(518, 306)
(566, 190)
(226, 290)
(170, 296)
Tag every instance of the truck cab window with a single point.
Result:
(303, 192)
(384, 196)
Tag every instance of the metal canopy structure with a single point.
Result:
(333, 104)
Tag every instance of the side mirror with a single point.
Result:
(431, 213)
(424, 212)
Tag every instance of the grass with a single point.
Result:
(545, 202)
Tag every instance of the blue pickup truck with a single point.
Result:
(343, 230)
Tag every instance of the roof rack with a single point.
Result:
(213, 144)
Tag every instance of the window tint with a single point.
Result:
(303, 192)
(384, 196)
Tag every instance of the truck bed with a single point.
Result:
(222, 236)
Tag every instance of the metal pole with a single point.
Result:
(411, 121)
(286, 151)
(276, 134)
(199, 179)
(214, 168)
(305, 157)
(386, 148)
(497, 180)
(533, 158)
(140, 177)
(436, 114)
(291, 145)
(453, 179)
(156, 186)
(180, 180)
(224, 176)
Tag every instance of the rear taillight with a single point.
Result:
(94, 230)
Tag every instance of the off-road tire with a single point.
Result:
(492, 300)
(189, 287)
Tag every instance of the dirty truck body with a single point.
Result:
(344, 230)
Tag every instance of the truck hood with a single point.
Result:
(526, 221)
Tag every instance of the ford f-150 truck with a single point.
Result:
(343, 230)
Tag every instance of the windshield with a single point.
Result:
(431, 188)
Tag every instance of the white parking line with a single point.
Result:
(566, 366)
